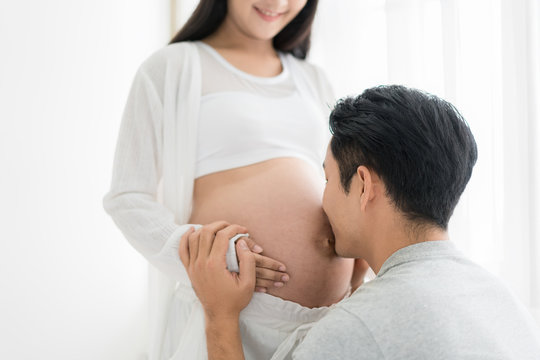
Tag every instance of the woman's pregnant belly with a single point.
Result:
(280, 202)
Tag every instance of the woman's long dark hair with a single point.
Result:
(209, 14)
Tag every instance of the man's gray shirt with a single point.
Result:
(427, 302)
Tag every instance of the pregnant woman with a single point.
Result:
(229, 122)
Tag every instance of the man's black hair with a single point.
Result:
(418, 144)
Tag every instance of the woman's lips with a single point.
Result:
(268, 15)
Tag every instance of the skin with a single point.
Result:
(366, 224)
(287, 192)
(269, 272)
(278, 200)
(245, 41)
(244, 38)
(365, 221)
(203, 254)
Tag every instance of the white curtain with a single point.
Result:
(483, 56)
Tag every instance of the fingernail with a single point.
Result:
(285, 278)
(262, 290)
(242, 244)
(257, 249)
(278, 284)
(282, 268)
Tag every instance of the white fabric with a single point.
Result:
(218, 75)
(230, 257)
(152, 187)
(270, 128)
(270, 327)
(268, 116)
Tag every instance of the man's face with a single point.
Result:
(342, 209)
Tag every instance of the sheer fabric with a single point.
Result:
(152, 187)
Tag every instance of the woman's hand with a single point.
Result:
(270, 273)
(222, 293)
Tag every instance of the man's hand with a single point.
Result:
(223, 294)
(270, 273)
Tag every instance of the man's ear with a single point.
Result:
(365, 185)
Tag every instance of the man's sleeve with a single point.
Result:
(339, 335)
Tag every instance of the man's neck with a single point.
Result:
(392, 240)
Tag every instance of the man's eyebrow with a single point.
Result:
(323, 165)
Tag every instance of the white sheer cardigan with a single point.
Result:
(150, 198)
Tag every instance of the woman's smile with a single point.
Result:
(268, 15)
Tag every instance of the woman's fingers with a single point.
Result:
(253, 246)
(262, 261)
(267, 274)
(268, 284)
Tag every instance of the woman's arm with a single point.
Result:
(132, 203)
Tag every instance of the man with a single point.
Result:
(396, 166)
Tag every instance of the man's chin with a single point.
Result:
(339, 251)
(344, 252)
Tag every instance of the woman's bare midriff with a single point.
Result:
(280, 202)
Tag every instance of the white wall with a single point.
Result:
(70, 286)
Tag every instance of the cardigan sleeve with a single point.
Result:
(132, 200)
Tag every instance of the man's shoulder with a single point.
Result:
(420, 306)
(403, 314)
(423, 286)
(377, 302)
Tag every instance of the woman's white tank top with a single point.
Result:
(245, 119)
